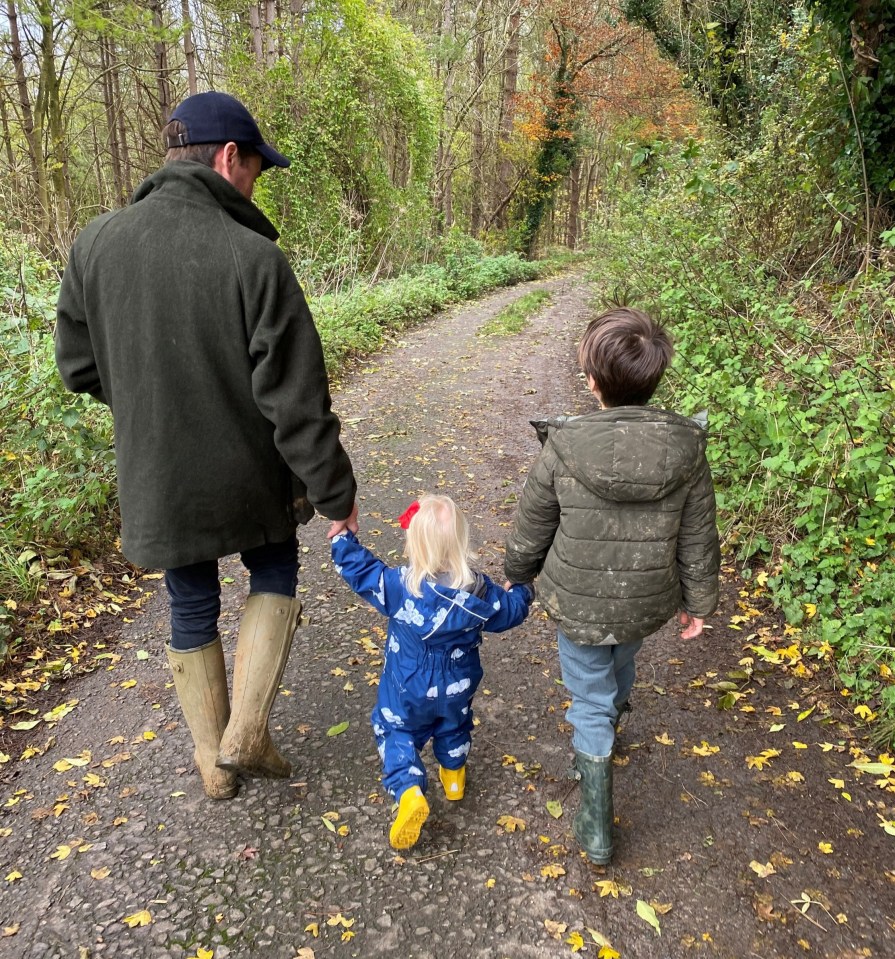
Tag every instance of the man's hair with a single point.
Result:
(438, 543)
(203, 153)
(626, 352)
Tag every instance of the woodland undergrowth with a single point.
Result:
(796, 368)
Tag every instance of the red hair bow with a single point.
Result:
(408, 514)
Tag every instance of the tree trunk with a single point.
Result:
(443, 161)
(163, 71)
(507, 106)
(33, 132)
(257, 36)
(867, 30)
(189, 48)
(270, 18)
(124, 152)
(478, 132)
(105, 63)
(49, 86)
(573, 225)
(7, 136)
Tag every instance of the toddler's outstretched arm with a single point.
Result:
(365, 573)
(510, 606)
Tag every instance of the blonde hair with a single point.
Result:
(437, 544)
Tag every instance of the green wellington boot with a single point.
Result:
(593, 824)
(200, 679)
(265, 637)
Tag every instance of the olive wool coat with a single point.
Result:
(182, 314)
(618, 519)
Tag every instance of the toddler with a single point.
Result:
(438, 608)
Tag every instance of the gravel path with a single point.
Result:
(305, 864)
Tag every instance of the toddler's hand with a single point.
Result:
(693, 626)
(340, 525)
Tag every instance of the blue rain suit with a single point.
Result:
(432, 667)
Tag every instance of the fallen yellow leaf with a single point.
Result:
(825, 847)
(607, 888)
(576, 941)
(141, 918)
(552, 871)
(511, 823)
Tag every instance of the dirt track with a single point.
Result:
(701, 811)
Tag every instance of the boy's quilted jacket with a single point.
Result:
(618, 519)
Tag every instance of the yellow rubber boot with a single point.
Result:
(453, 781)
(413, 811)
(200, 679)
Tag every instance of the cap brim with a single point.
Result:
(270, 157)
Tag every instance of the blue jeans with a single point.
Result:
(195, 590)
(599, 679)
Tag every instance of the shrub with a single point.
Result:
(798, 375)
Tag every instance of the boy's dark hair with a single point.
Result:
(625, 352)
(203, 153)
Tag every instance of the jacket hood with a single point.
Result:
(201, 184)
(443, 612)
(627, 453)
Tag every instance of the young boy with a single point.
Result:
(618, 519)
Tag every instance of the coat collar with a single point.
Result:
(203, 185)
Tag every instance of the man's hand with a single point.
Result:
(692, 626)
(340, 525)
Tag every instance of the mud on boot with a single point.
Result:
(593, 824)
(265, 637)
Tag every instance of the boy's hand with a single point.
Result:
(693, 626)
(340, 525)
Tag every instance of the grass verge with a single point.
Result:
(514, 318)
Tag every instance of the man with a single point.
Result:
(182, 314)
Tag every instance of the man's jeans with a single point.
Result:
(599, 679)
(195, 590)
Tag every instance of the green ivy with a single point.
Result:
(354, 109)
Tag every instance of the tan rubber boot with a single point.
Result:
(200, 679)
(265, 636)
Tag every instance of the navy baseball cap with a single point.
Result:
(219, 118)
